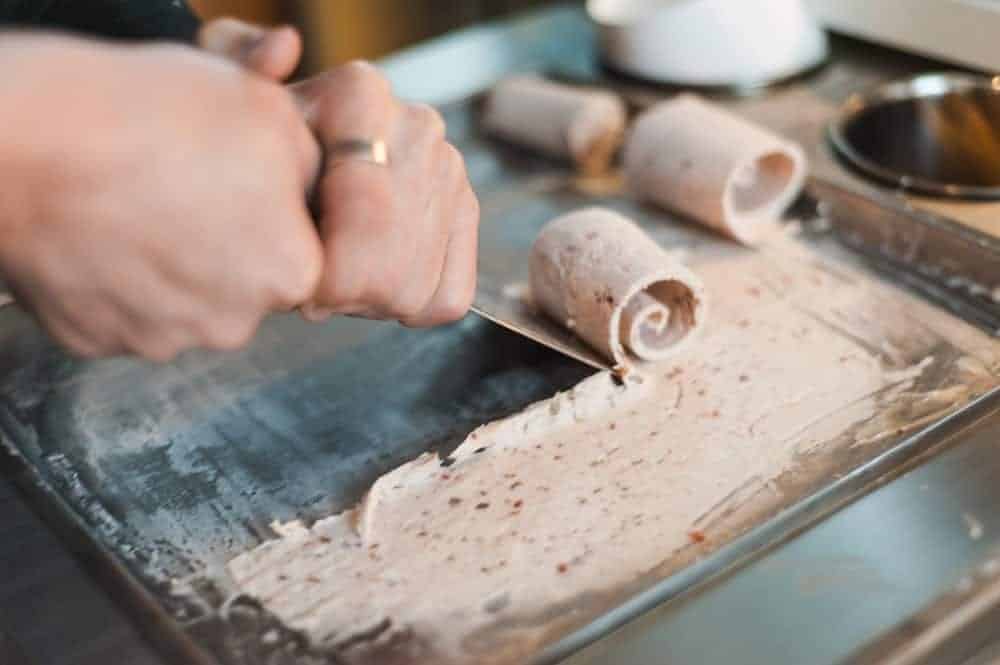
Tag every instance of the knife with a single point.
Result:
(498, 303)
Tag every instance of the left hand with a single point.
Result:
(400, 240)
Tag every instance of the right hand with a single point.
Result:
(154, 196)
(400, 239)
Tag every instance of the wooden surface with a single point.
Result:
(340, 30)
(984, 217)
(259, 11)
(51, 612)
(348, 29)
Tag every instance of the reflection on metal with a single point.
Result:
(521, 318)
(937, 134)
(945, 262)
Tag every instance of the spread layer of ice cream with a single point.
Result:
(473, 558)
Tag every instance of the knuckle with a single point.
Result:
(269, 95)
(474, 212)
(365, 77)
(455, 158)
(158, 352)
(412, 302)
(429, 120)
(468, 213)
(275, 101)
(407, 312)
(454, 308)
(229, 336)
(314, 313)
(407, 309)
(81, 348)
(451, 168)
(301, 278)
(76, 343)
(337, 294)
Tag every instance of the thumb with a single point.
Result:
(273, 53)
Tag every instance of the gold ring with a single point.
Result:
(375, 151)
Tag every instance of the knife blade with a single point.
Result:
(505, 307)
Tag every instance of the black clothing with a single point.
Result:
(124, 19)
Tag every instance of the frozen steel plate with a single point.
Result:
(158, 472)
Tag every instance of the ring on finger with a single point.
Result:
(375, 151)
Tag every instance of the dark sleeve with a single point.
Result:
(124, 19)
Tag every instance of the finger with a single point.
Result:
(314, 313)
(361, 96)
(66, 335)
(443, 169)
(362, 257)
(457, 288)
(356, 205)
(273, 53)
(60, 320)
(278, 55)
(230, 38)
(90, 334)
(300, 258)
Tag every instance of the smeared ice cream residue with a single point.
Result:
(475, 558)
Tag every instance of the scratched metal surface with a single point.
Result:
(163, 472)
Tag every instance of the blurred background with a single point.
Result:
(340, 30)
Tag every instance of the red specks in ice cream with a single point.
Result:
(635, 493)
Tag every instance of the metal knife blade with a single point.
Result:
(499, 305)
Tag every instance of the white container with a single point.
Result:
(724, 43)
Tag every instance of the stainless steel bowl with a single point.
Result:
(935, 134)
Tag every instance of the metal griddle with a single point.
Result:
(155, 473)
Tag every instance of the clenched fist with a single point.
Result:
(154, 197)
(400, 239)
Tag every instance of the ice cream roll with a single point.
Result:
(599, 274)
(584, 125)
(696, 158)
